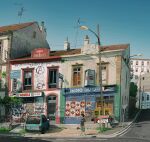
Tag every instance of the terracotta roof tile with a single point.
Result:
(78, 51)
(64, 52)
(115, 47)
(14, 27)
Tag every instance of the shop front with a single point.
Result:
(87, 101)
(32, 103)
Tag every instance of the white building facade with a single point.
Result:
(140, 69)
(78, 94)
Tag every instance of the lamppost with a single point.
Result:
(100, 63)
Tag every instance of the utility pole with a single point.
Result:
(100, 63)
(100, 72)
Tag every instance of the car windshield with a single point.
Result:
(33, 120)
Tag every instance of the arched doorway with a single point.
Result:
(51, 107)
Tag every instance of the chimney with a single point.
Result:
(43, 29)
(86, 40)
(66, 44)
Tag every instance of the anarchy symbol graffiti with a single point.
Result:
(40, 70)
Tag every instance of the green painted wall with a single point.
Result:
(62, 107)
(117, 104)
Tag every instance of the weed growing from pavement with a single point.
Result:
(23, 131)
(103, 129)
(4, 130)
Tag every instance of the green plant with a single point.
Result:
(22, 132)
(3, 74)
(133, 89)
(4, 130)
(103, 129)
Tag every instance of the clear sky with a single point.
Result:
(120, 21)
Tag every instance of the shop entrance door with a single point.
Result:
(51, 108)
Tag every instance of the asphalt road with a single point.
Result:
(141, 128)
(138, 132)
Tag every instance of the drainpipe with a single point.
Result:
(120, 91)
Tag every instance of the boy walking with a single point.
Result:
(82, 125)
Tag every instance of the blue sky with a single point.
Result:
(120, 21)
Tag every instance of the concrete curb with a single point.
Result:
(123, 131)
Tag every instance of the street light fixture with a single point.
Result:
(100, 63)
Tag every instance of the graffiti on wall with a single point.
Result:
(16, 86)
(39, 105)
(39, 108)
(18, 111)
(39, 71)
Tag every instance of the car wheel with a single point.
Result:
(42, 131)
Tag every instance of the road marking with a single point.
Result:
(74, 139)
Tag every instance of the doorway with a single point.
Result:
(51, 108)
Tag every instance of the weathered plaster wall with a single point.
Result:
(23, 41)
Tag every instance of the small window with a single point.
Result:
(131, 62)
(147, 97)
(103, 67)
(147, 70)
(27, 80)
(147, 62)
(142, 70)
(136, 77)
(34, 34)
(136, 62)
(76, 76)
(136, 69)
(53, 78)
(142, 63)
(142, 98)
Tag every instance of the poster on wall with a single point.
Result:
(39, 105)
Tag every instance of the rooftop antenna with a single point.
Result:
(78, 24)
(21, 11)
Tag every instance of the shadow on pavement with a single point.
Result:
(55, 129)
(20, 139)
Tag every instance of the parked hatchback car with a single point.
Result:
(37, 122)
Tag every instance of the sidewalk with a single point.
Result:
(71, 131)
(64, 130)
